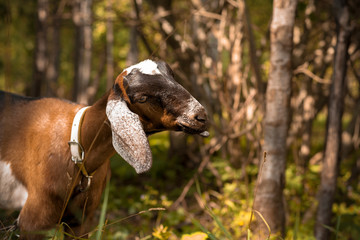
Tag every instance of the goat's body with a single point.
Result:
(36, 172)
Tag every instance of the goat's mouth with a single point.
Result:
(193, 130)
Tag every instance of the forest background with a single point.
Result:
(281, 83)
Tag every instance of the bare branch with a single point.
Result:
(304, 69)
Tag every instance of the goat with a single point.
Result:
(37, 169)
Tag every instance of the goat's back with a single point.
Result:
(8, 99)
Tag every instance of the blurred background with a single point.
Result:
(280, 81)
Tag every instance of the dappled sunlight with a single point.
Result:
(279, 83)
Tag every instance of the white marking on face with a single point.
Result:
(13, 194)
(148, 67)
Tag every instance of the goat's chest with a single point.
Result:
(13, 194)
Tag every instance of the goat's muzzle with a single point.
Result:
(194, 122)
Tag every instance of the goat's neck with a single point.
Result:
(96, 131)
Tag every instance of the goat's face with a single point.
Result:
(146, 99)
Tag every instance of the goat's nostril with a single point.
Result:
(201, 117)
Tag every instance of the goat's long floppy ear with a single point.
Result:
(128, 136)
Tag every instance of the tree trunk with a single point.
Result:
(256, 67)
(83, 46)
(40, 48)
(53, 66)
(109, 44)
(133, 54)
(269, 199)
(235, 84)
(308, 114)
(7, 50)
(333, 137)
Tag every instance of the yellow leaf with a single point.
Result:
(194, 236)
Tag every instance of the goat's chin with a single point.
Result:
(193, 130)
(182, 128)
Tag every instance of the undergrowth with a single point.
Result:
(140, 206)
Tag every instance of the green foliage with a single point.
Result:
(226, 214)
(17, 36)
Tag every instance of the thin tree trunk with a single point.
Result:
(269, 199)
(137, 7)
(133, 54)
(253, 58)
(308, 114)
(83, 46)
(109, 44)
(40, 47)
(235, 72)
(53, 66)
(7, 51)
(333, 139)
(348, 140)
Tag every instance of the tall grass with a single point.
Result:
(103, 209)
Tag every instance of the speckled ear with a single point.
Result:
(128, 136)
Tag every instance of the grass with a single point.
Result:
(103, 209)
(225, 233)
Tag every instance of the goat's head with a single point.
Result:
(146, 99)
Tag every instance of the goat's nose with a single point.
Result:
(201, 116)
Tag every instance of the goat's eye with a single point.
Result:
(142, 99)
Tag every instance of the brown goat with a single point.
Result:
(37, 174)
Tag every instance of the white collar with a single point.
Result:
(76, 149)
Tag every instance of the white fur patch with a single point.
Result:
(148, 67)
(13, 194)
(128, 136)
